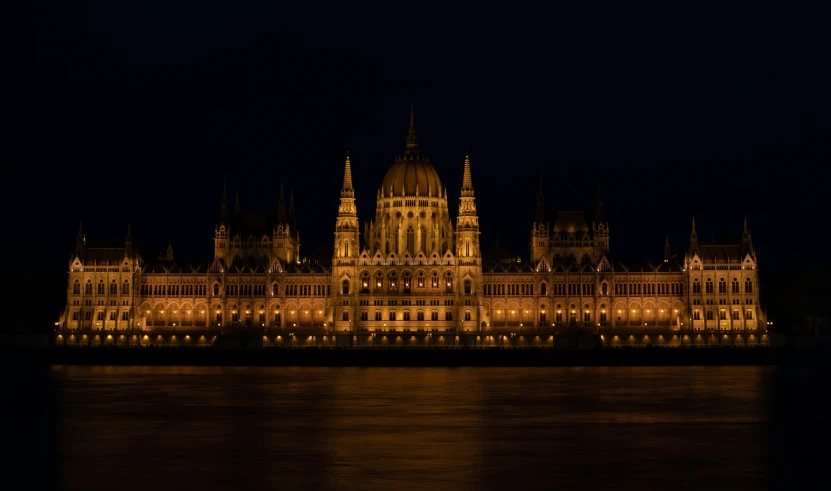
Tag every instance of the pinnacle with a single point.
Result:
(412, 139)
(347, 175)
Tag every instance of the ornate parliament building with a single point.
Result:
(414, 277)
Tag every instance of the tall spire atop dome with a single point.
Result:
(347, 176)
(412, 139)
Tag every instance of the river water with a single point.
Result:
(205, 428)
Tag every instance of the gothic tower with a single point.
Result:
(539, 232)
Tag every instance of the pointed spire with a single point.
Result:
(467, 181)
(129, 237)
(412, 139)
(693, 234)
(236, 204)
(745, 232)
(347, 176)
(281, 206)
(539, 217)
(693, 237)
(169, 249)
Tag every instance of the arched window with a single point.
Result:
(379, 280)
(113, 288)
(407, 282)
(748, 286)
(125, 288)
(543, 289)
(709, 286)
(216, 289)
(101, 287)
(365, 280)
(467, 315)
(467, 247)
(448, 315)
(696, 286)
(411, 240)
(275, 289)
(393, 280)
(722, 315)
(722, 286)
(468, 287)
(604, 289)
(421, 279)
(448, 277)
(748, 315)
(346, 248)
(377, 315)
(735, 315)
(392, 315)
(76, 288)
(696, 315)
(345, 290)
(345, 315)
(88, 287)
(735, 286)
(435, 279)
(709, 315)
(388, 247)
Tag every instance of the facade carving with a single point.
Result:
(413, 277)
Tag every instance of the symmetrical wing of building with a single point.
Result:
(411, 276)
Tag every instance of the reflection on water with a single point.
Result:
(182, 428)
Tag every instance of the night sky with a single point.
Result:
(138, 112)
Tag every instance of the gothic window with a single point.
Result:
(125, 315)
(88, 287)
(407, 281)
(346, 248)
(365, 280)
(696, 286)
(467, 315)
(275, 289)
(125, 288)
(113, 288)
(748, 315)
(99, 315)
(364, 315)
(421, 279)
(735, 286)
(76, 288)
(345, 289)
(735, 315)
(388, 247)
(748, 286)
(435, 280)
(411, 240)
(112, 315)
(448, 315)
(722, 286)
(602, 316)
(101, 287)
(467, 247)
(448, 280)
(543, 289)
(722, 315)
(423, 234)
(379, 280)
(377, 315)
(696, 315)
(434, 315)
(420, 315)
(391, 315)
(75, 315)
(468, 287)
(586, 259)
(87, 315)
(216, 289)
(345, 315)
(377, 246)
(709, 286)
(406, 315)
(604, 289)
(587, 316)
(393, 280)
(709, 315)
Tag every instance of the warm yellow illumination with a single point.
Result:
(633, 311)
(162, 311)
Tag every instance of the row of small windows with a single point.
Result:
(172, 290)
(511, 289)
(722, 286)
(406, 282)
(722, 315)
(76, 315)
(562, 289)
(405, 316)
(101, 288)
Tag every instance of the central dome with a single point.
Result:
(412, 172)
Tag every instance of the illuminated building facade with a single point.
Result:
(413, 277)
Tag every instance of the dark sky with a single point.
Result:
(138, 112)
